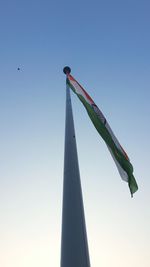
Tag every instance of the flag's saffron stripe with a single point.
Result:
(119, 155)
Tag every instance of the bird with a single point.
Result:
(18, 68)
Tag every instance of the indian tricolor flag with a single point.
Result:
(119, 155)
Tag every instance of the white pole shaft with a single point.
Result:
(74, 246)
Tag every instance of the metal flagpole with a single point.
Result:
(74, 246)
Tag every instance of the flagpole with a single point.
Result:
(74, 245)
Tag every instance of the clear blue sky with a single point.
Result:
(106, 43)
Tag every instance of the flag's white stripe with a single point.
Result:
(122, 172)
(79, 90)
(114, 138)
(103, 119)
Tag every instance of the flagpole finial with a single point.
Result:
(66, 70)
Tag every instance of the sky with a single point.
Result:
(106, 44)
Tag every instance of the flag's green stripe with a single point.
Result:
(102, 130)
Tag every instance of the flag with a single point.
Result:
(119, 155)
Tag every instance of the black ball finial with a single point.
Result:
(66, 70)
